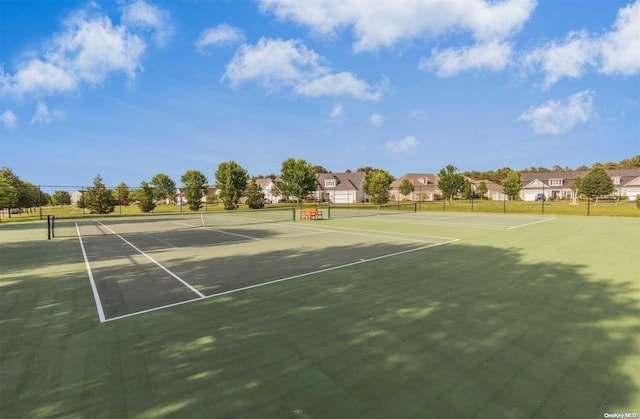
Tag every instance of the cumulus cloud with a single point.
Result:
(147, 16)
(376, 119)
(614, 52)
(400, 146)
(276, 64)
(556, 117)
(494, 56)
(9, 120)
(42, 115)
(379, 24)
(383, 24)
(87, 51)
(220, 35)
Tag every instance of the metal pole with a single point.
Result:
(39, 202)
(48, 227)
(544, 198)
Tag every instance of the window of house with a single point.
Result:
(330, 183)
(555, 182)
(616, 180)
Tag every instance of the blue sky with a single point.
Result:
(129, 89)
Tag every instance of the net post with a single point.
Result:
(329, 211)
(48, 227)
(415, 207)
(293, 210)
(53, 226)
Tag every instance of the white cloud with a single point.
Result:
(384, 24)
(337, 113)
(494, 55)
(614, 52)
(276, 64)
(619, 48)
(554, 117)
(86, 52)
(220, 35)
(42, 115)
(339, 84)
(401, 146)
(9, 120)
(563, 59)
(147, 16)
(377, 24)
(376, 119)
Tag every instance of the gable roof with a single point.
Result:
(343, 181)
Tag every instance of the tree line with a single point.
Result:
(298, 180)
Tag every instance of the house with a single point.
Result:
(561, 184)
(495, 192)
(340, 188)
(269, 188)
(425, 187)
(76, 196)
(181, 199)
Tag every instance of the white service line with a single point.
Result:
(220, 231)
(96, 296)
(534, 222)
(201, 295)
(275, 281)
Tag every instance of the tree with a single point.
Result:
(467, 189)
(319, 169)
(365, 169)
(596, 183)
(23, 197)
(575, 188)
(121, 194)
(298, 178)
(165, 188)
(377, 184)
(406, 187)
(231, 181)
(145, 197)
(512, 184)
(255, 196)
(61, 198)
(195, 185)
(451, 182)
(638, 201)
(7, 194)
(482, 189)
(98, 199)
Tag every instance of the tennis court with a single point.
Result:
(138, 265)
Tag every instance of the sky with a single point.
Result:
(127, 89)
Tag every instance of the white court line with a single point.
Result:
(534, 222)
(275, 281)
(220, 231)
(96, 296)
(201, 295)
(160, 240)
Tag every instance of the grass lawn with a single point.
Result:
(538, 321)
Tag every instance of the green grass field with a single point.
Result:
(512, 320)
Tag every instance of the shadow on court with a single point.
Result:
(453, 331)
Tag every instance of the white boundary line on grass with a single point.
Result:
(201, 295)
(275, 281)
(96, 296)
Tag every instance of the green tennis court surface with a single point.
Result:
(409, 315)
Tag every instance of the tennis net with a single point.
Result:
(347, 211)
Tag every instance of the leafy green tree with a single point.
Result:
(638, 201)
(596, 183)
(377, 184)
(575, 188)
(512, 184)
(406, 187)
(23, 194)
(61, 198)
(121, 194)
(320, 169)
(195, 187)
(298, 178)
(145, 197)
(165, 188)
(451, 182)
(98, 199)
(483, 189)
(255, 196)
(8, 194)
(231, 181)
